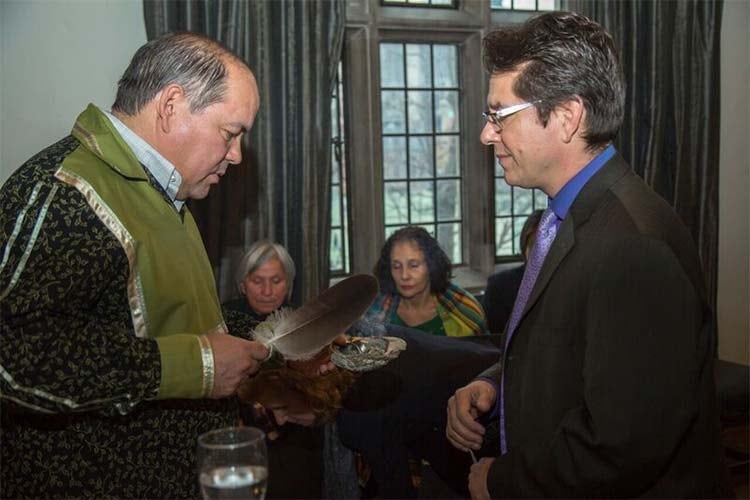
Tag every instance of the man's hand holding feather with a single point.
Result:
(235, 359)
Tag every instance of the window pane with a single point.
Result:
(518, 223)
(336, 259)
(503, 200)
(522, 201)
(447, 158)
(430, 228)
(421, 197)
(449, 199)
(335, 165)
(392, 105)
(524, 5)
(446, 111)
(420, 111)
(503, 237)
(395, 199)
(442, 2)
(334, 115)
(391, 65)
(540, 200)
(546, 5)
(394, 158)
(335, 206)
(500, 4)
(420, 157)
(418, 67)
(445, 64)
(449, 237)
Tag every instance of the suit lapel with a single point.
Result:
(563, 243)
(584, 205)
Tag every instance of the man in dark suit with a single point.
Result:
(605, 387)
(502, 287)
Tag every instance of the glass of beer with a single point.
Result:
(233, 463)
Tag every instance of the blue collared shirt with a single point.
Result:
(561, 203)
(162, 169)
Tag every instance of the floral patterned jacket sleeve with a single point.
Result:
(66, 336)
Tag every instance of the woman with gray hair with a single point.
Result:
(264, 277)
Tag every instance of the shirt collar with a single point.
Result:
(561, 203)
(162, 169)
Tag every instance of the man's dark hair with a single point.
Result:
(438, 263)
(191, 60)
(561, 55)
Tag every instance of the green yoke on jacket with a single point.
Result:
(104, 291)
(165, 301)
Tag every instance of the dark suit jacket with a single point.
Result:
(500, 295)
(609, 386)
(399, 410)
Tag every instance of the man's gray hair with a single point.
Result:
(190, 60)
(258, 254)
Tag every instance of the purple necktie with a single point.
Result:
(545, 235)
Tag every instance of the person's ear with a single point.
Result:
(570, 116)
(168, 102)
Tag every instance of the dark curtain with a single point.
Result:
(670, 54)
(281, 191)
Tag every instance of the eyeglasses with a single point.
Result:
(497, 117)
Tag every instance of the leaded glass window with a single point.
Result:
(339, 250)
(421, 134)
(421, 3)
(512, 206)
(526, 5)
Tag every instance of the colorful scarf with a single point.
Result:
(461, 313)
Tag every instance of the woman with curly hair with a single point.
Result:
(414, 274)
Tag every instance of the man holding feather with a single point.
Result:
(114, 353)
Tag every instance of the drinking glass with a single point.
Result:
(233, 463)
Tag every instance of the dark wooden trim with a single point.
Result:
(363, 127)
